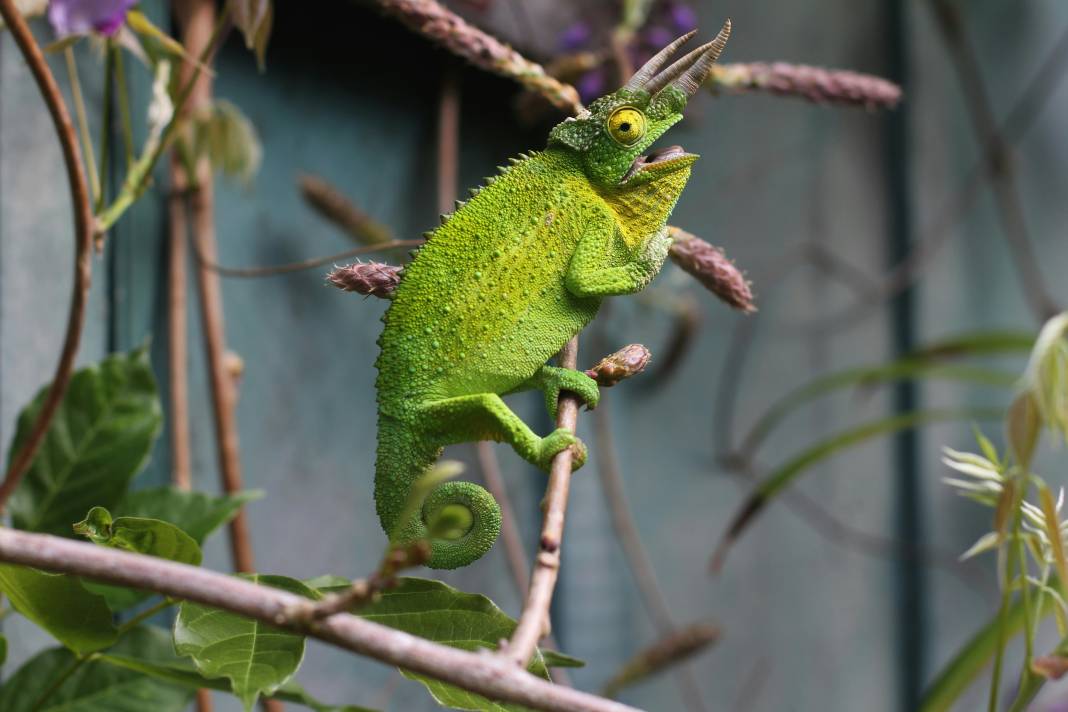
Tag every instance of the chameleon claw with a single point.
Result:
(557, 441)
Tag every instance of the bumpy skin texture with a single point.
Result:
(498, 289)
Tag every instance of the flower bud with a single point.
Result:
(368, 278)
(628, 361)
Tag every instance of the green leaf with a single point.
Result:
(141, 536)
(61, 605)
(438, 612)
(904, 369)
(195, 513)
(977, 343)
(768, 488)
(554, 658)
(3, 649)
(226, 137)
(93, 686)
(257, 658)
(254, 18)
(100, 438)
(182, 672)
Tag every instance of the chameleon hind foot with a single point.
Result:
(556, 441)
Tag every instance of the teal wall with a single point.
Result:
(810, 598)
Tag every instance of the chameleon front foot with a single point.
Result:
(556, 441)
(551, 380)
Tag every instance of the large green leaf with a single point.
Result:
(439, 612)
(773, 484)
(182, 672)
(60, 604)
(93, 686)
(139, 535)
(195, 513)
(257, 658)
(99, 439)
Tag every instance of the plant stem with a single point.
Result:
(124, 104)
(83, 237)
(144, 616)
(83, 122)
(105, 124)
(484, 674)
(534, 619)
(137, 178)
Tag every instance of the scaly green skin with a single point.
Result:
(498, 289)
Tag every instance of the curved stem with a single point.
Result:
(83, 237)
(475, 671)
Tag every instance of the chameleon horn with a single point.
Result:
(650, 68)
(671, 73)
(694, 76)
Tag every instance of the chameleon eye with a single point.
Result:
(626, 125)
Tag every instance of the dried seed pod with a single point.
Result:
(712, 269)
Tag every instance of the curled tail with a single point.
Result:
(464, 517)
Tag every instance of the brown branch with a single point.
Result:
(479, 672)
(197, 16)
(331, 204)
(83, 241)
(177, 331)
(513, 542)
(534, 620)
(483, 50)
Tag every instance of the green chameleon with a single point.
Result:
(507, 280)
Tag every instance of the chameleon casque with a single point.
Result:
(508, 279)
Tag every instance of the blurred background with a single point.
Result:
(868, 233)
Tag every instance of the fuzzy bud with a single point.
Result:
(669, 651)
(1051, 667)
(335, 207)
(628, 361)
(711, 268)
(816, 84)
(373, 279)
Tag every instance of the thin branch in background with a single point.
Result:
(80, 113)
(638, 562)
(534, 619)
(444, 27)
(208, 262)
(482, 673)
(83, 240)
(997, 158)
(676, 647)
(514, 552)
(197, 17)
(177, 330)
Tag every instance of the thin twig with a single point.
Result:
(513, 542)
(177, 331)
(208, 262)
(482, 673)
(534, 620)
(997, 158)
(83, 122)
(83, 240)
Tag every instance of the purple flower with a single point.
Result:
(591, 85)
(683, 17)
(657, 36)
(78, 17)
(576, 37)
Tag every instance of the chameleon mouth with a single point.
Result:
(662, 160)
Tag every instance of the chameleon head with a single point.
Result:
(612, 134)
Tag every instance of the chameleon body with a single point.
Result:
(507, 280)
